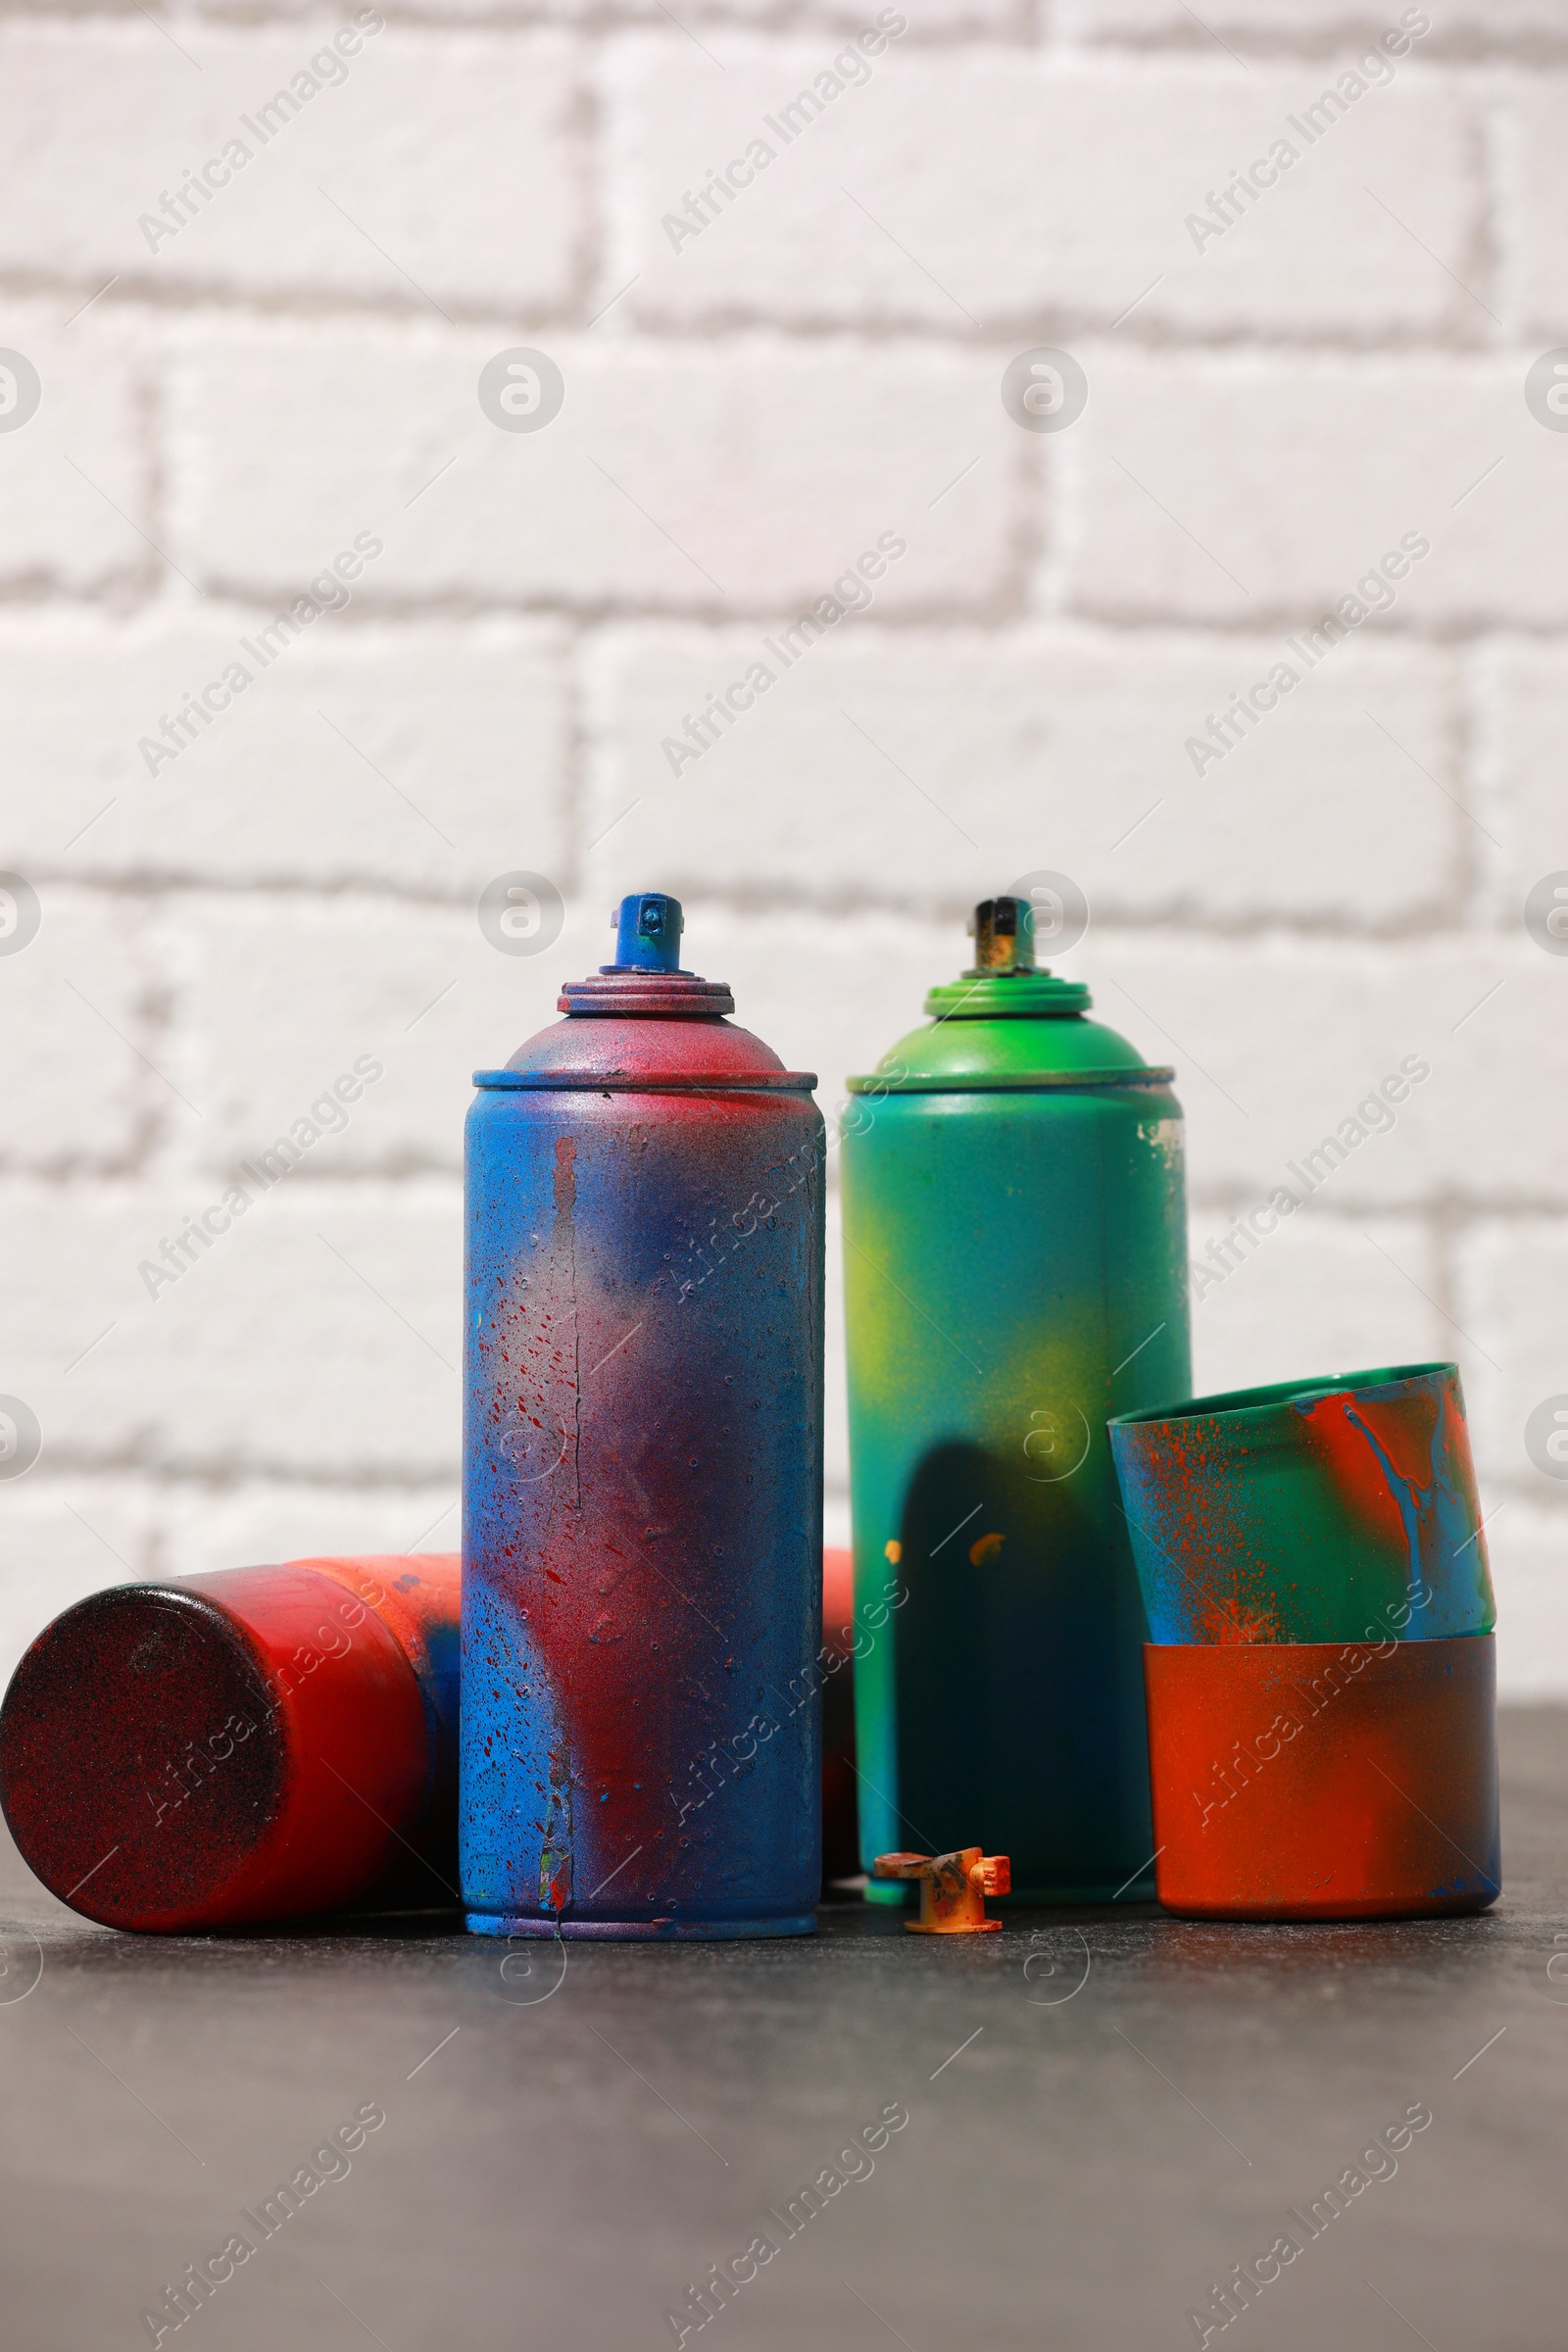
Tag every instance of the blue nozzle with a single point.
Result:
(648, 929)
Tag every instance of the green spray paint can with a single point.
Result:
(1015, 1231)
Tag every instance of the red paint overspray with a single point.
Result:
(253, 1744)
(1325, 1779)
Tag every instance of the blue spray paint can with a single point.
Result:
(643, 1468)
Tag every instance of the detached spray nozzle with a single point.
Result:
(952, 1888)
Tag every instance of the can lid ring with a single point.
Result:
(1143, 1076)
(612, 991)
(630, 1082)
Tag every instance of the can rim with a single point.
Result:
(1143, 1076)
(1283, 1397)
(628, 1082)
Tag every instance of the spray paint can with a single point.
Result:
(643, 1468)
(252, 1744)
(1014, 1230)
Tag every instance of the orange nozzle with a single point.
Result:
(952, 1888)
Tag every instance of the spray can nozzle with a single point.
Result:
(648, 929)
(1004, 935)
(952, 1888)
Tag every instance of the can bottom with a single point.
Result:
(1462, 1905)
(638, 1931)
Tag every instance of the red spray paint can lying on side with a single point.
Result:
(253, 1744)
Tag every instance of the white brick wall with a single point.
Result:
(747, 410)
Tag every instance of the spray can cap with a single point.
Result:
(648, 929)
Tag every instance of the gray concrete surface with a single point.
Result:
(1078, 2167)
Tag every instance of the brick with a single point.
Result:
(79, 1016)
(1004, 189)
(122, 96)
(828, 995)
(1507, 1270)
(278, 1350)
(1525, 1547)
(62, 1538)
(74, 489)
(1538, 190)
(864, 768)
(937, 18)
(1313, 24)
(1315, 1296)
(1524, 698)
(1276, 1040)
(233, 1527)
(285, 995)
(429, 758)
(1227, 487)
(769, 465)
